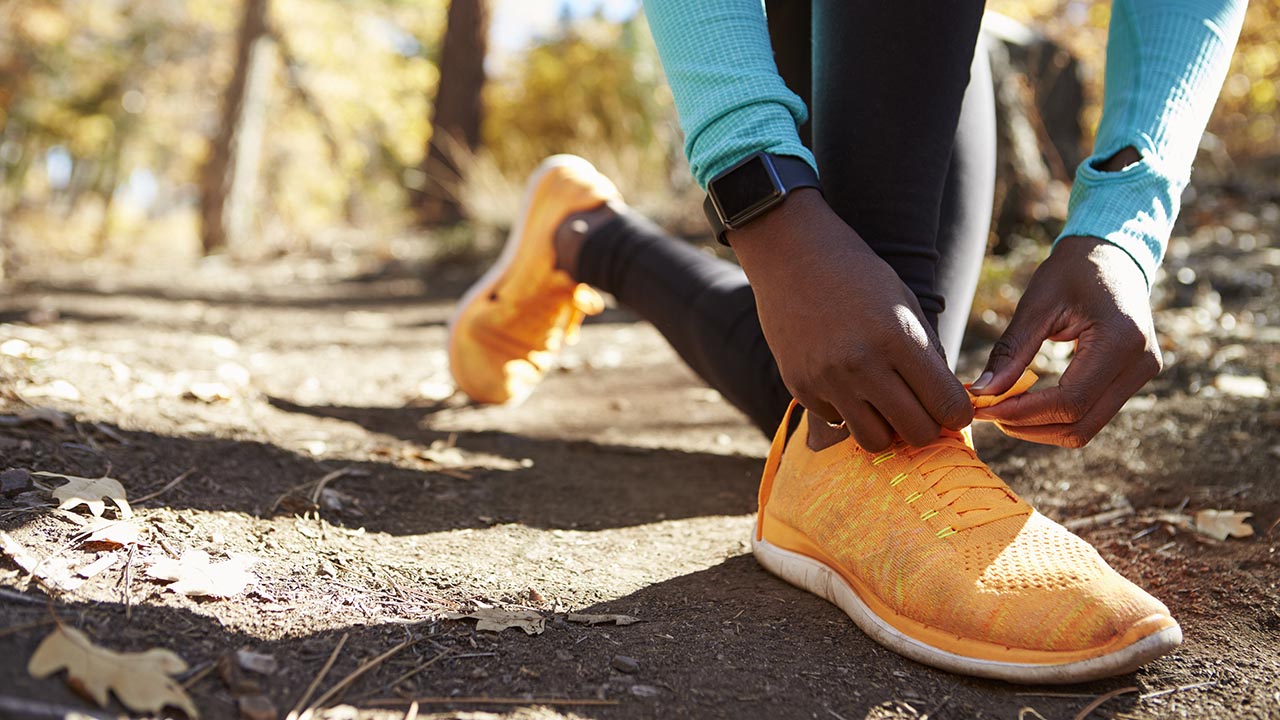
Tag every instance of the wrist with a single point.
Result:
(772, 234)
(1102, 253)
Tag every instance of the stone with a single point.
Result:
(624, 664)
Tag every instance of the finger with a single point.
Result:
(1016, 348)
(936, 389)
(1086, 380)
(868, 428)
(898, 405)
(1078, 434)
(820, 409)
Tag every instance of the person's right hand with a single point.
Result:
(850, 339)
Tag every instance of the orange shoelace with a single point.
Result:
(947, 468)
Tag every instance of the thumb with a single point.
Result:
(1014, 351)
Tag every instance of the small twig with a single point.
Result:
(172, 484)
(345, 682)
(128, 584)
(1102, 699)
(199, 675)
(412, 712)
(1023, 713)
(22, 707)
(26, 626)
(440, 656)
(1098, 519)
(1180, 688)
(392, 702)
(317, 483)
(319, 488)
(333, 656)
(22, 597)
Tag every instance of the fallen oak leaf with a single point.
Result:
(588, 619)
(90, 493)
(141, 681)
(1221, 524)
(195, 574)
(497, 620)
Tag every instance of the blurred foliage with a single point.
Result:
(110, 105)
(106, 108)
(1246, 114)
(596, 89)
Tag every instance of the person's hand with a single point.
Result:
(849, 337)
(1092, 292)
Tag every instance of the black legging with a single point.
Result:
(907, 158)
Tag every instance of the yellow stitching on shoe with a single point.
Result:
(897, 479)
(946, 532)
(929, 514)
(914, 497)
(883, 457)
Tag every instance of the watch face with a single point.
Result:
(746, 187)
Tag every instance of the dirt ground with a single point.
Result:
(621, 486)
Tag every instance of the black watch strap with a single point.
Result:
(752, 188)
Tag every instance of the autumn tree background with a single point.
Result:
(160, 131)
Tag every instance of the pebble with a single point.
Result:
(645, 691)
(624, 664)
(14, 481)
(257, 707)
(1249, 386)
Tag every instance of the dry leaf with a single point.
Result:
(111, 533)
(89, 492)
(497, 620)
(54, 574)
(587, 619)
(1221, 524)
(141, 681)
(194, 574)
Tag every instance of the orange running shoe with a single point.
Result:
(511, 324)
(934, 557)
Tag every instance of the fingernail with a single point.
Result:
(982, 382)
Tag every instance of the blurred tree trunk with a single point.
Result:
(230, 173)
(455, 121)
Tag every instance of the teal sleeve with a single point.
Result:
(731, 100)
(1166, 61)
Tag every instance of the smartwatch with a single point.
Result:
(752, 188)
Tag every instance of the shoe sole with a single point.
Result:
(490, 279)
(816, 577)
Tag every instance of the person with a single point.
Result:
(852, 296)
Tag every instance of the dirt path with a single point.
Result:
(622, 486)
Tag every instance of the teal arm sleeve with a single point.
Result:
(731, 100)
(1166, 61)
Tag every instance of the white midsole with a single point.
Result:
(809, 574)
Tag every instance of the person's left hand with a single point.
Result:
(1092, 292)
